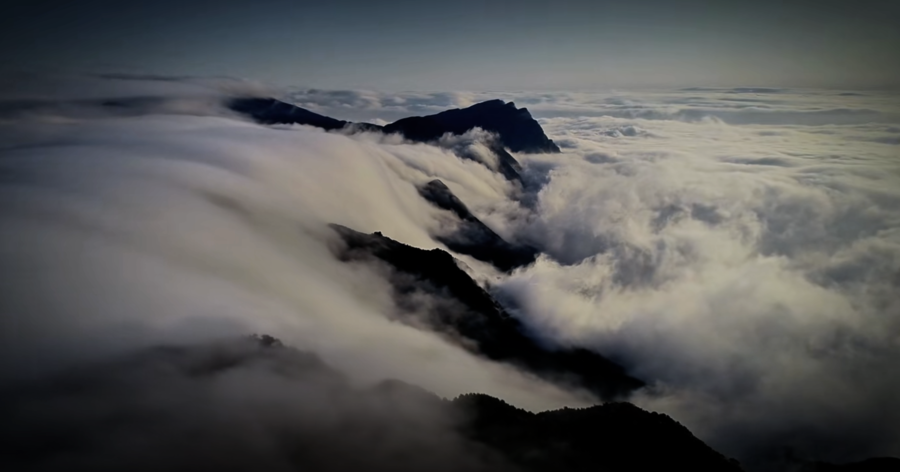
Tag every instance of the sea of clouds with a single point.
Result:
(738, 249)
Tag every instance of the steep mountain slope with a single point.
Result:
(465, 308)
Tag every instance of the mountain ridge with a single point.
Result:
(472, 432)
(515, 129)
(470, 312)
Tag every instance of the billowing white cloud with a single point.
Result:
(122, 232)
(750, 272)
(737, 249)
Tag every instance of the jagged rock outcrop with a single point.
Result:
(473, 237)
(464, 308)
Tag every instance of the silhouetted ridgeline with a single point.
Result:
(469, 311)
(253, 404)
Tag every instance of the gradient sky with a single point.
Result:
(467, 45)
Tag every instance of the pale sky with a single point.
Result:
(465, 44)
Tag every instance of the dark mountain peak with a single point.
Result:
(515, 129)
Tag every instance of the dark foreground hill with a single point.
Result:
(252, 404)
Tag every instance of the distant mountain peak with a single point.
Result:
(515, 129)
